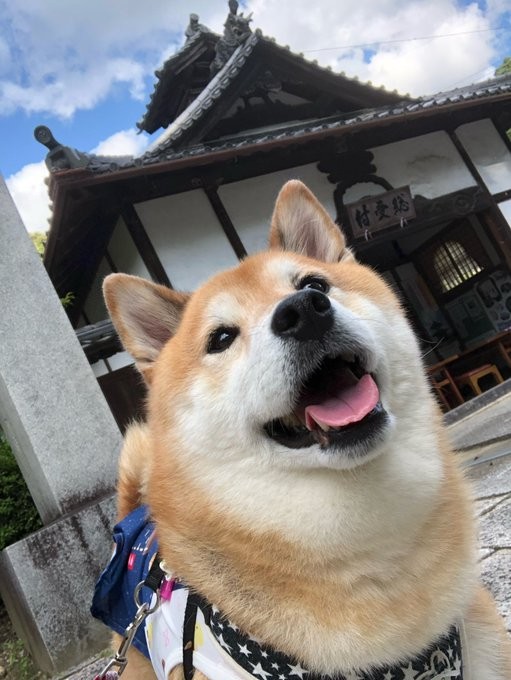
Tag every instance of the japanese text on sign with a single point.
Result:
(379, 212)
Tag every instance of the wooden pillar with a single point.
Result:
(225, 221)
(144, 245)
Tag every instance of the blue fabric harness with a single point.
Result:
(113, 601)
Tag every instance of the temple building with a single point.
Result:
(421, 186)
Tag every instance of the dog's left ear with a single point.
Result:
(145, 315)
(301, 224)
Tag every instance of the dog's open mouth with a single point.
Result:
(339, 405)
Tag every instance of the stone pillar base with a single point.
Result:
(47, 580)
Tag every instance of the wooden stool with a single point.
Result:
(471, 378)
(445, 387)
(505, 350)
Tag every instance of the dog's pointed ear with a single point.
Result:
(301, 224)
(144, 314)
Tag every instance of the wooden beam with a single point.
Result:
(494, 216)
(502, 132)
(90, 264)
(144, 245)
(225, 221)
(110, 261)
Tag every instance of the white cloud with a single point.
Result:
(64, 56)
(415, 66)
(30, 194)
(73, 90)
(122, 143)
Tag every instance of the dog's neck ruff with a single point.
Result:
(220, 650)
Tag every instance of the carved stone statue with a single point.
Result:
(236, 31)
(194, 27)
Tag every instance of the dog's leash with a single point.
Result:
(161, 584)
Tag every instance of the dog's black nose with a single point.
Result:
(306, 315)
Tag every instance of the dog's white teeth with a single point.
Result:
(324, 427)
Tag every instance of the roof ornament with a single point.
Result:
(60, 157)
(194, 27)
(236, 31)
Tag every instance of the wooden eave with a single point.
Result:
(179, 80)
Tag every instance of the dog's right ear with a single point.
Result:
(144, 314)
(301, 225)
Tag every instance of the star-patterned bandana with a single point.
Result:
(442, 661)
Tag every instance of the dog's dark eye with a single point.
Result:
(221, 339)
(314, 282)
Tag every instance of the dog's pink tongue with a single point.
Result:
(349, 405)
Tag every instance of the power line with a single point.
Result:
(389, 42)
(470, 75)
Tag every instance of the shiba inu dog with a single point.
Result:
(297, 473)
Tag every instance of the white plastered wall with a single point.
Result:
(124, 253)
(488, 152)
(250, 202)
(187, 236)
(429, 164)
(94, 306)
(505, 208)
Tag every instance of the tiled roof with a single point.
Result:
(164, 151)
(199, 108)
(205, 100)
(165, 74)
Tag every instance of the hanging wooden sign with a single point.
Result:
(381, 211)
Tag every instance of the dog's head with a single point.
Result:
(298, 357)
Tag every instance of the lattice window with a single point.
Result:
(452, 258)
(453, 265)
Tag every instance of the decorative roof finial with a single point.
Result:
(194, 27)
(60, 157)
(236, 31)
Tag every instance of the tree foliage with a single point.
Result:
(504, 68)
(39, 240)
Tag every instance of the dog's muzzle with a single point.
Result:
(336, 400)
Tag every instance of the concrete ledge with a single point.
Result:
(492, 485)
(488, 424)
(47, 581)
(485, 399)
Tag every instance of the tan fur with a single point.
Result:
(133, 470)
(376, 596)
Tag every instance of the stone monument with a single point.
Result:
(66, 443)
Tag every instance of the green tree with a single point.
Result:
(505, 68)
(39, 240)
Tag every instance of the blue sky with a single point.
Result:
(86, 69)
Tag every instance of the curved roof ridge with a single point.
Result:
(175, 59)
(204, 101)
